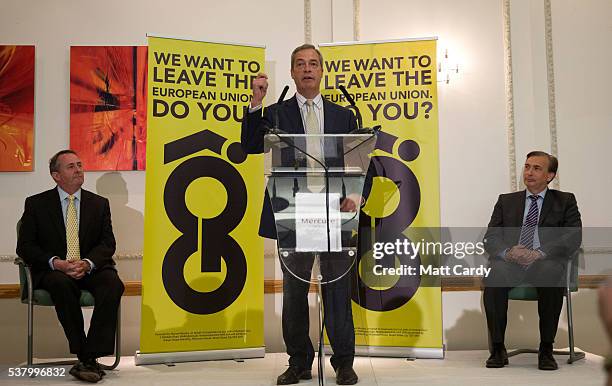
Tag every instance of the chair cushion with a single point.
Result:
(42, 297)
(523, 293)
(528, 293)
(87, 299)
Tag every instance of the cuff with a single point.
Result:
(92, 266)
(253, 109)
(51, 262)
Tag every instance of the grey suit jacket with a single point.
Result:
(559, 224)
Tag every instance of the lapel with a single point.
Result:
(292, 113)
(520, 205)
(84, 214)
(55, 213)
(329, 118)
(546, 206)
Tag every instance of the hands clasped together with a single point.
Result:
(75, 269)
(522, 255)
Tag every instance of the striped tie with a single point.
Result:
(530, 225)
(72, 232)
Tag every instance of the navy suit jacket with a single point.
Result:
(42, 233)
(337, 120)
(559, 224)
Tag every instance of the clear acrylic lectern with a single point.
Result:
(315, 185)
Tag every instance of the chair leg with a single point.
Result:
(30, 358)
(117, 340)
(573, 355)
(117, 343)
(513, 352)
(522, 351)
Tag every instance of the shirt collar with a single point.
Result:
(63, 195)
(301, 100)
(542, 194)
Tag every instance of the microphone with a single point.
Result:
(352, 106)
(282, 95)
(274, 128)
(366, 130)
(278, 104)
(348, 96)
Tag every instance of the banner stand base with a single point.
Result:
(396, 352)
(196, 356)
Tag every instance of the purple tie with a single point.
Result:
(531, 223)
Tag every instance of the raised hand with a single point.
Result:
(260, 88)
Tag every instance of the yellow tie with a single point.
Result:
(72, 232)
(312, 123)
(313, 146)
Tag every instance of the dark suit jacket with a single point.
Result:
(559, 224)
(337, 120)
(42, 234)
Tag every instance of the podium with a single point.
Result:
(315, 185)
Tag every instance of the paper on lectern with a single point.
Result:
(310, 222)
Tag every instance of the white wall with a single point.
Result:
(473, 135)
(472, 108)
(582, 33)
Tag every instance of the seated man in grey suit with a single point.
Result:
(67, 237)
(531, 235)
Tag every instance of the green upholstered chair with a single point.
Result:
(530, 293)
(39, 297)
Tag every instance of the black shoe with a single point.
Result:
(546, 361)
(84, 373)
(498, 358)
(94, 365)
(345, 375)
(292, 375)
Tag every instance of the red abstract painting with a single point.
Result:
(108, 106)
(16, 108)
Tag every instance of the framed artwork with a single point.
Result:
(16, 108)
(108, 106)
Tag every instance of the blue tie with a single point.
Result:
(530, 225)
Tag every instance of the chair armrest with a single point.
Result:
(25, 279)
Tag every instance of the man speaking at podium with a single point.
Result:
(307, 112)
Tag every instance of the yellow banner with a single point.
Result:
(394, 85)
(202, 271)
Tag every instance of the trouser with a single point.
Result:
(338, 319)
(545, 275)
(106, 288)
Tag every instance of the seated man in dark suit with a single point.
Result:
(531, 235)
(306, 112)
(67, 237)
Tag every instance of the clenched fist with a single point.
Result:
(260, 88)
